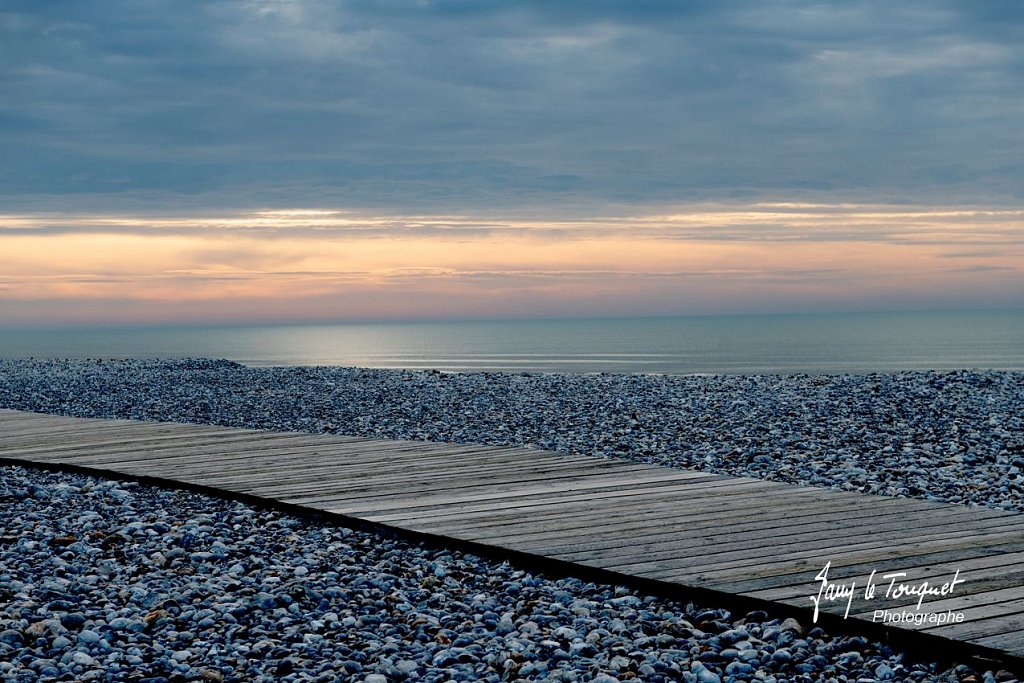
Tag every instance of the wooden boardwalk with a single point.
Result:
(739, 537)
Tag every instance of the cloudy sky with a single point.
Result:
(184, 161)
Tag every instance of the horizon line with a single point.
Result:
(57, 326)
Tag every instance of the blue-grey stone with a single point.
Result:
(739, 669)
(264, 601)
(82, 658)
(11, 637)
(88, 636)
(704, 674)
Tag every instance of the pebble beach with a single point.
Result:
(102, 580)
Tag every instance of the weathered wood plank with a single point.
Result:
(978, 599)
(711, 576)
(846, 570)
(995, 626)
(936, 569)
(811, 554)
(654, 482)
(709, 506)
(668, 544)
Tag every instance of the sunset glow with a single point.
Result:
(340, 265)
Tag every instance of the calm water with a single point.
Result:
(823, 343)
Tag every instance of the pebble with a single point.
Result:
(362, 611)
(87, 636)
(120, 581)
(793, 625)
(704, 674)
(884, 672)
(956, 436)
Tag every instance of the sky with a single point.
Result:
(296, 160)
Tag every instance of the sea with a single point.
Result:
(833, 343)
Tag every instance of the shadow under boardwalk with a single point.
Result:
(742, 538)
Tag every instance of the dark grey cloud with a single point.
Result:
(980, 254)
(983, 268)
(496, 104)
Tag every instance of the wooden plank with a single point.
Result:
(977, 599)
(901, 555)
(823, 548)
(785, 501)
(782, 526)
(580, 506)
(709, 574)
(990, 632)
(113, 452)
(977, 588)
(810, 554)
(197, 461)
(672, 544)
(844, 569)
(592, 486)
(561, 499)
(289, 465)
(469, 465)
(851, 534)
(318, 479)
(915, 571)
(48, 428)
(1009, 642)
(983, 616)
(448, 483)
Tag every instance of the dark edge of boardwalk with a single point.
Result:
(926, 646)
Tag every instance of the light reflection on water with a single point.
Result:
(821, 343)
